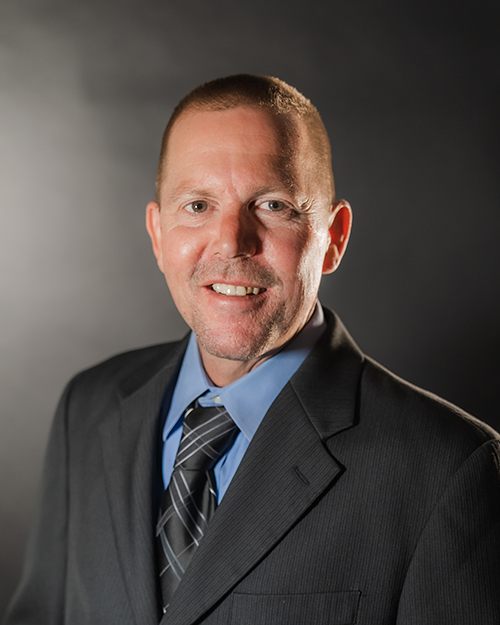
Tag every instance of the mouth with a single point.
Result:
(233, 290)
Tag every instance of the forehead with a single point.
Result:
(242, 137)
(241, 129)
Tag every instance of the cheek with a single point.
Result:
(309, 264)
(177, 269)
(289, 256)
(179, 252)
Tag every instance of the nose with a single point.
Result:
(236, 233)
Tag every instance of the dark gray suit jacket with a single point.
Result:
(361, 499)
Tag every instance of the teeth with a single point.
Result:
(230, 289)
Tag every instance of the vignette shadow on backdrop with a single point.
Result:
(410, 97)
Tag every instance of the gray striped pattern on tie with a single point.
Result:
(190, 499)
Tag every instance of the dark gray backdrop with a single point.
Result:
(409, 92)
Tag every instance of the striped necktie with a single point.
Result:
(190, 499)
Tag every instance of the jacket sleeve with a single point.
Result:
(39, 598)
(454, 575)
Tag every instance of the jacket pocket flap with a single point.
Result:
(332, 608)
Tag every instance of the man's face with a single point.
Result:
(243, 231)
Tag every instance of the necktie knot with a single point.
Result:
(207, 435)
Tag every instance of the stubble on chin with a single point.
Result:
(248, 339)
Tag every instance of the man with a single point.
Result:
(343, 494)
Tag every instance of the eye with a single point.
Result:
(275, 205)
(199, 206)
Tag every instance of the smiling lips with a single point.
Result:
(230, 289)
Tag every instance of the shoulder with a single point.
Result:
(343, 390)
(120, 366)
(413, 423)
(407, 447)
(103, 385)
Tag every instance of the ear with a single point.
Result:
(153, 226)
(339, 231)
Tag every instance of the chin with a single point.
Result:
(232, 349)
(238, 344)
(248, 338)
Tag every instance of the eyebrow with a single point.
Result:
(185, 189)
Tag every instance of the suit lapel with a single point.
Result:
(284, 471)
(129, 438)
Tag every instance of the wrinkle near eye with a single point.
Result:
(306, 206)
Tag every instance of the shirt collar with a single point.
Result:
(245, 406)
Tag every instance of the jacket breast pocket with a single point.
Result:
(328, 608)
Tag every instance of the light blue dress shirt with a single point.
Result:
(247, 399)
